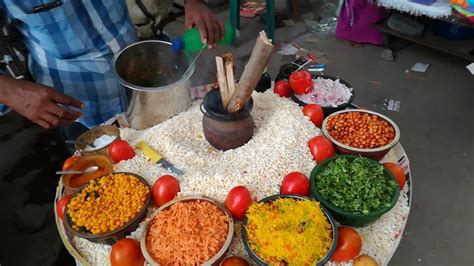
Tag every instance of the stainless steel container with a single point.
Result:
(158, 80)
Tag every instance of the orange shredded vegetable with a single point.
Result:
(187, 233)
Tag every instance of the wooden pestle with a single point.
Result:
(261, 54)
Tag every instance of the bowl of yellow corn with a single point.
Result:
(301, 231)
(108, 207)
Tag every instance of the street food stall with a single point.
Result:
(239, 177)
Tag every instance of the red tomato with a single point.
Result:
(365, 260)
(120, 150)
(321, 148)
(295, 183)
(238, 201)
(234, 261)
(398, 172)
(61, 205)
(126, 252)
(349, 244)
(282, 88)
(301, 82)
(315, 114)
(165, 189)
(69, 161)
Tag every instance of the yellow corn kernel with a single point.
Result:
(108, 203)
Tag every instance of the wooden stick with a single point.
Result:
(229, 68)
(221, 79)
(261, 54)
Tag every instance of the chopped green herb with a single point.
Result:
(356, 186)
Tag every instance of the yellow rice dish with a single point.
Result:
(289, 231)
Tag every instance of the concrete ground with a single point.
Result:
(436, 119)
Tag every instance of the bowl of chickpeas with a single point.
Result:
(361, 132)
(108, 207)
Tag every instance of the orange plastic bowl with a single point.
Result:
(76, 182)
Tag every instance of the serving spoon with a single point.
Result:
(88, 170)
(79, 142)
(194, 60)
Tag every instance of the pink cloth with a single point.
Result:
(356, 19)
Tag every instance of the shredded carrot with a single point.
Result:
(187, 233)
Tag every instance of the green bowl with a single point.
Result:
(346, 217)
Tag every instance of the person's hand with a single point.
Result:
(38, 103)
(198, 14)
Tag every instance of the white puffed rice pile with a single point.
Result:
(279, 146)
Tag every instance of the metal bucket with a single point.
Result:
(157, 81)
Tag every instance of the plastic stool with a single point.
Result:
(269, 12)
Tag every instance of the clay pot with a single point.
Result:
(223, 130)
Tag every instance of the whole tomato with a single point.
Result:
(69, 161)
(61, 205)
(165, 189)
(234, 261)
(365, 260)
(321, 148)
(238, 201)
(295, 183)
(398, 172)
(120, 150)
(126, 252)
(282, 88)
(315, 114)
(349, 244)
(301, 82)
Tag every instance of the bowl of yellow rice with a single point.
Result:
(289, 230)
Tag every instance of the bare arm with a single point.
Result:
(38, 103)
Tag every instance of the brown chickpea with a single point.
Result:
(360, 130)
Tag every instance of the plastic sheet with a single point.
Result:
(324, 25)
(392, 105)
(470, 67)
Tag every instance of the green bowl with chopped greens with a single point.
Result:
(356, 190)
